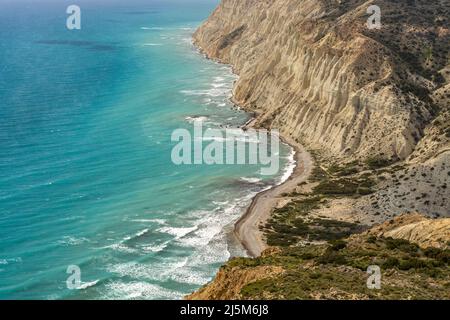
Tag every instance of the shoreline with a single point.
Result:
(246, 228)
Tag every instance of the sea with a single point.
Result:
(89, 194)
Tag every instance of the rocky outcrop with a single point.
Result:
(230, 281)
(417, 229)
(314, 70)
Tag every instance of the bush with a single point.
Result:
(337, 187)
(412, 263)
(390, 263)
(337, 245)
(377, 163)
(364, 191)
(438, 254)
(402, 245)
(332, 257)
(371, 239)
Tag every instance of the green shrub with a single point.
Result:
(402, 245)
(390, 263)
(371, 239)
(337, 245)
(332, 257)
(412, 263)
(377, 163)
(337, 187)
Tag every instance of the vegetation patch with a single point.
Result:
(339, 270)
(345, 187)
(231, 37)
(378, 163)
(288, 225)
(345, 170)
(318, 174)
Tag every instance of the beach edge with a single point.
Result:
(246, 228)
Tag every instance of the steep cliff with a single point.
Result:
(313, 69)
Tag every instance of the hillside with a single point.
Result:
(372, 106)
(339, 270)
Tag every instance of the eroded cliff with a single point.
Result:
(313, 69)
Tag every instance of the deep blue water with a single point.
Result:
(86, 176)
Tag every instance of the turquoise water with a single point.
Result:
(86, 176)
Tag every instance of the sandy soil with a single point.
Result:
(247, 228)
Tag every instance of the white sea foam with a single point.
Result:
(10, 260)
(86, 285)
(152, 44)
(208, 240)
(210, 245)
(196, 271)
(218, 85)
(215, 251)
(139, 290)
(177, 232)
(159, 271)
(152, 28)
(141, 233)
(289, 169)
(191, 276)
(196, 119)
(221, 203)
(210, 227)
(155, 248)
(242, 138)
(120, 247)
(72, 241)
(251, 180)
(210, 248)
(71, 218)
(158, 221)
(203, 235)
(215, 92)
(186, 40)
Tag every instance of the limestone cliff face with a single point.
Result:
(416, 228)
(313, 69)
(229, 282)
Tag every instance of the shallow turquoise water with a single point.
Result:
(86, 176)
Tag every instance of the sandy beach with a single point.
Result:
(247, 227)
